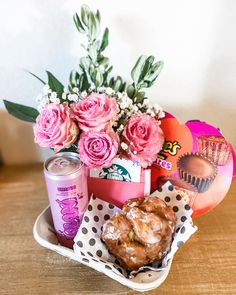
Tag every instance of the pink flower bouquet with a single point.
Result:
(99, 116)
(110, 123)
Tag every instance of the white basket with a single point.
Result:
(45, 235)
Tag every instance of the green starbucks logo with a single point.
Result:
(115, 172)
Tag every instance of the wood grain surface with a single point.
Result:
(206, 264)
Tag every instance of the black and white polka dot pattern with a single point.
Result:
(92, 251)
(88, 247)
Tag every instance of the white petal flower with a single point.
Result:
(69, 97)
(83, 94)
(75, 89)
(53, 95)
(124, 146)
(74, 97)
(109, 91)
(64, 94)
(46, 89)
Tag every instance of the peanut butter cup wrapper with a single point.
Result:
(197, 170)
(214, 147)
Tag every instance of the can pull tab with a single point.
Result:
(61, 162)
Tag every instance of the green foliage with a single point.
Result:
(94, 67)
(55, 85)
(144, 74)
(21, 112)
(36, 77)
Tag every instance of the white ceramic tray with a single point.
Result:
(44, 234)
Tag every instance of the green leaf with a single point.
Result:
(21, 112)
(140, 96)
(85, 11)
(54, 84)
(105, 75)
(105, 40)
(98, 15)
(92, 53)
(98, 78)
(155, 71)
(130, 91)
(36, 77)
(83, 82)
(104, 61)
(84, 63)
(93, 26)
(78, 23)
(148, 64)
(137, 69)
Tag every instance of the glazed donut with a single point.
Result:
(140, 233)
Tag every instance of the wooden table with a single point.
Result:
(206, 264)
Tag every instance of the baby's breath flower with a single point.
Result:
(124, 146)
(83, 94)
(74, 97)
(46, 89)
(64, 95)
(109, 91)
(69, 97)
(75, 89)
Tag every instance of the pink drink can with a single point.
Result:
(66, 179)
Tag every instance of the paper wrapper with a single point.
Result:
(92, 251)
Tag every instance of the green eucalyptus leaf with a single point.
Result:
(111, 82)
(123, 86)
(117, 84)
(98, 15)
(146, 67)
(78, 23)
(104, 62)
(72, 78)
(92, 53)
(105, 40)
(93, 26)
(137, 69)
(98, 78)
(105, 76)
(155, 71)
(54, 84)
(109, 69)
(85, 11)
(139, 97)
(84, 84)
(84, 63)
(21, 112)
(130, 91)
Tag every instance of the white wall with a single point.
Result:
(196, 39)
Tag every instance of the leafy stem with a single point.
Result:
(144, 74)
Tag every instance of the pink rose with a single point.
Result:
(98, 149)
(54, 127)
(144, 138)
(95, 112)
